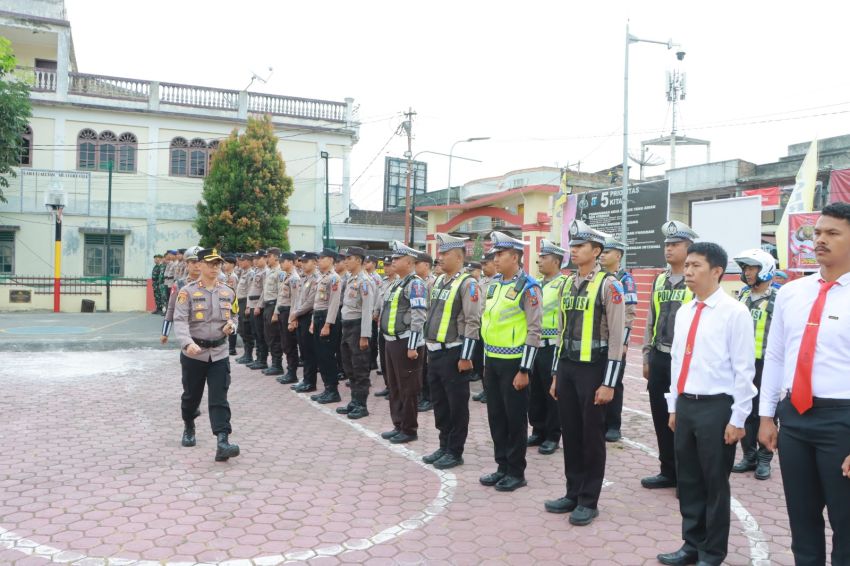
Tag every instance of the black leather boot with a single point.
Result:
(188, 435)
(261, 363)
(247, 357)
(225, 450)
(747, 464)
(275, 369)
(763, 468)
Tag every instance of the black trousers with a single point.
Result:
(325, 347)
(450, 396)
(245, 330)
(583, 427)
(288, 339)
(216, 375)
(425, 393)
(542, 408)
(478, 360)
(404, 377)
(356, 361)
(812, 447)
(373, 349)
(259, 328)
(382, 355)
(507, 414)
(658, 385)
(340, 370)
(271, 331)
(307, 345)
(704, 462)
(750, 444)
(614, 409)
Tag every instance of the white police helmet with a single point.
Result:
(758, 258)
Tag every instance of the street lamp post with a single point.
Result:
(625, 192)
(451, 153)
(326, 236)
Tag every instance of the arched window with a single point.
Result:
(213, 147)
(177, 157)
(86, 150)
(198, 158)
(25, 159)
(106, 150)
(127, 147)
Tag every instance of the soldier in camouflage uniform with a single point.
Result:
(157, 281)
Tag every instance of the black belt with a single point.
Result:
(716, 396)
(354, 322)
(824, 403)
(269, 303)
(209, 343)
(254, 297)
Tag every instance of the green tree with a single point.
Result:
(478, 248)
(15, 111)
(244, 204)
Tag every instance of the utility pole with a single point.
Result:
(407, 126)
(109, 240)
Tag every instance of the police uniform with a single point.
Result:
(614, 410)
(201, 315)
(402, 320)
(303, 313)
(757, 456)
(326, 311)
(478, 357)
(358, 301)
(669, 293)
(590, 354)
(168, 321)
(510, 330)
(168, 272)
(255, 301)
(451, 334)
(231, 280)
(373, 346)
(245, 331)
(542, 407)
(288, 284)
(343, 278)
(271, 329)
(425, 393)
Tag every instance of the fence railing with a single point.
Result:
(198, 96)
(43, 285)
(109, 87)
(301, 107)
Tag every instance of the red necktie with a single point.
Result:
(801, 391)
(689, 349)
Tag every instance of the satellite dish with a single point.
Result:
(649, 159)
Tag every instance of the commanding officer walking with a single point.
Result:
(246, 276)
(807, 355)
(668, 294)
(271, 327)
(586, 368)
(288, 285)
(357, 307)
(610, 261)
(402, 321)
(303, 315)
(542, 407)
(757, 268)
(510, 330)
(202, 322)
(325, 327)
(255, 303)
(451, 335)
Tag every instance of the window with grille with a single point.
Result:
(95, 151)
(7, 253)
(25, 158)
(95, 255)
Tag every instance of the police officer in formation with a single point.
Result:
(402, 320)
(510, 329)
(246, 276)
(203, 319)
(255, 303)
(302, 316)
(669, 293)
(451, 337)
(488, 273)
(231, 279)
(610, 261)
(542, 407)
(357, 307)
(325, 326)
(289, 283)
(759, 296)
(586, 370)
(271, 327)
(423, 265)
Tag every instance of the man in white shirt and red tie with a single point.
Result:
(806, 363)
(709, 400)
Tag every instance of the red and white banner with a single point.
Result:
(769, 197)
(839, 186)
(801, 241)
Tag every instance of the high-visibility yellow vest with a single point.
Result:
(447, 298)
(503, 324)
(551, 297)
(586, 305)
(661, 295)
(393, 299)
(761, 314)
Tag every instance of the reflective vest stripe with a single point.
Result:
(393, 309)
(760, 318)
(503, 325)
(551, 291)
(587, 321)
(454, 287)
(660, 281)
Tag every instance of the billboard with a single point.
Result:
(801, 244)
(395, 182)
(647, 211)
(770, 197)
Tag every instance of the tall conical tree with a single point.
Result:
(245, 196)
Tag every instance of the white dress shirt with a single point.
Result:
(832, 352)
(724, 354)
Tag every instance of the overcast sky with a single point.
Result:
(543, 79)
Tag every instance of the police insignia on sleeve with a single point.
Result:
(531, 294)
(182, 297)
(616, 291)
(473, 291)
